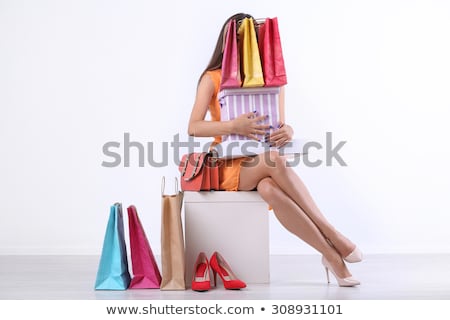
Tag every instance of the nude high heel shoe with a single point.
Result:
(355, 256)
(343, 282)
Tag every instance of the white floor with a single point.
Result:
(402, 277)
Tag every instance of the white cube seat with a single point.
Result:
(236, 224)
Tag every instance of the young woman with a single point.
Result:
(276, 182)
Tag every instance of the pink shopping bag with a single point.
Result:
(271, 53)
(231, 73)
(146, 273)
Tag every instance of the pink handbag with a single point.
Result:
(146, 274)
(271, 54)
(231, 73)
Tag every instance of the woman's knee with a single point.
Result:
(269, 190)
(274, 161)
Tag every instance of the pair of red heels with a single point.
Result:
(201, 279)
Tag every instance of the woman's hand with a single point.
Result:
(281, 136)
(249, 125)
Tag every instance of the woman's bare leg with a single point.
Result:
(273, 165)
(292, 217)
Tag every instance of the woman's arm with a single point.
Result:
(246, 124)
(197, 125)
(284, 132)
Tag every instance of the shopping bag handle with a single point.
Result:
(163, 185)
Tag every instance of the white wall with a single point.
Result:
(75, 75)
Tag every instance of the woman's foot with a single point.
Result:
(338, 265)
(355, 256)
(347, 249)
(348, 281)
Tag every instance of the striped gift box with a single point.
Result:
(264, 100)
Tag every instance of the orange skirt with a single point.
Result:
(229, 172)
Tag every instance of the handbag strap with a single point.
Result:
(193, 164)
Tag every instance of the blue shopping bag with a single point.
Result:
(113, 271)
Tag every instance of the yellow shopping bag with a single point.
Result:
(250, 59)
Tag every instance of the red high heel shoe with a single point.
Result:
(221, 267)
(200, 279)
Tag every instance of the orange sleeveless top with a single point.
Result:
(214, 105)
(229, 170)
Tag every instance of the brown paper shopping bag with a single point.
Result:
(172, 240)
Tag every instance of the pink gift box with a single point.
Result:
(264, 100)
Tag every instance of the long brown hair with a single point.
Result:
(216, 59)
